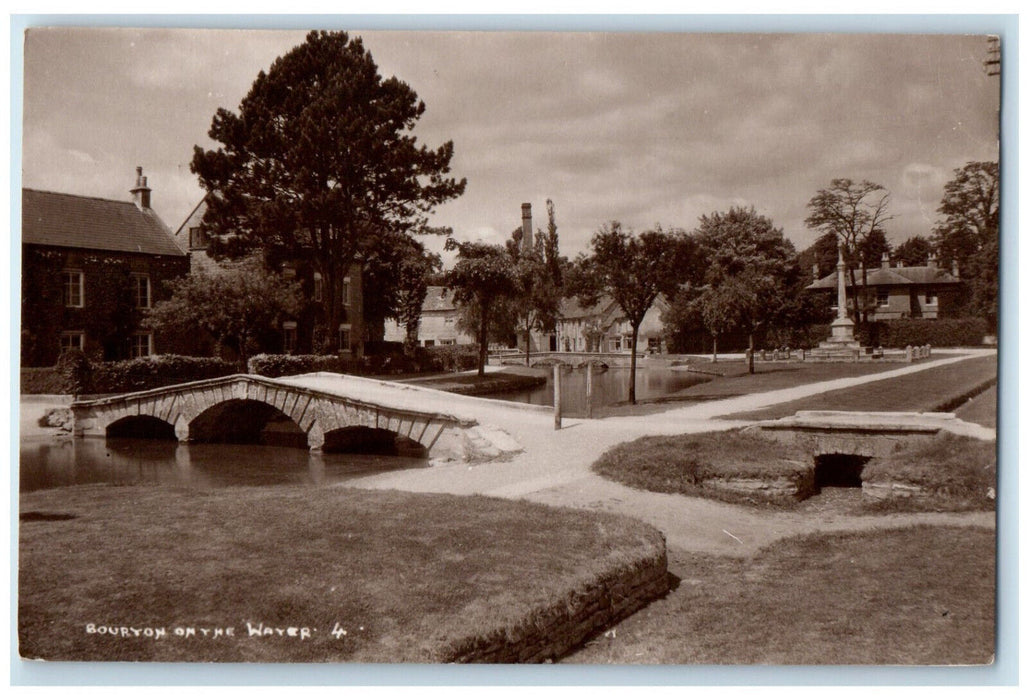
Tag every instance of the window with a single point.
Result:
(73, 340)
(882, 297)
(71, 281)
(447, 341)
(930, 296)
(141, 291)
(142, 344)
(289, 337)
(344, 337)
(346, 291)
(319, 287)
(430, 343)
(197, 237)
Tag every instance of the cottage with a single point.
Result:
(893, 292)
(439, 323)
(604, 328)
(91, 268)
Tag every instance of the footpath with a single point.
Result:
(554, 468)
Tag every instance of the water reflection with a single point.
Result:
(66, 462)
(610, 387)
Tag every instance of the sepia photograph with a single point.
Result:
(385, 346)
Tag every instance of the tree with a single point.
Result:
(749, 267)
(913, 252)
(320, 165)
(538, 272)
(235, 304)
(481, 278)
(968, 235)
(413, 273)
(854, 213)
(633, 270)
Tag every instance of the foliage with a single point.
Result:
(914, 252)
(144, 373)
(235, 304)
(537, 271)
(75, 372)
(940, 333)
(288, 365)
(633, 270)
(396, 279)
(321, 165)
(854, 213)
(750, 268)
(40, 380)
(452, 358)
(482, 277)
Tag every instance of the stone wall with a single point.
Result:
(552, 633)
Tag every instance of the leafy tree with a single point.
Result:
(633, 270)
(320, 164)
(913, 252)
(822, 253)
(416, 267)
(481, 278)
(968, 234)
(749, 267)
(236, 304)
(854, 213)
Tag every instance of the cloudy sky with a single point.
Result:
(643, 128)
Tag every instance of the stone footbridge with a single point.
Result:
(322, 409)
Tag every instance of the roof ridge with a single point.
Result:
(79, 196)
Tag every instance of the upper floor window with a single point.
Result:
(197, 237)
(346, 291)
(882, 297)
(142, 344)
(73, 340)
(72, 292)
(289, 337)
(141, 291)
(344, 337)
(319, 287)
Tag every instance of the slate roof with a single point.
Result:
(438, 299)
(72, 221)
(892, 276)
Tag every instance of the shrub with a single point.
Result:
(155, 371)
(74, 372)
(289, 365)
(40, 380)
(453, 358)
(901, 332)
(959, 469)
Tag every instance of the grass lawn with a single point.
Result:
(981, 409)
(492, 383)
(371, 576)
(931, 390)
(922, 595)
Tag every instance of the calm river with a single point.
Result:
(51, 463)
(610, 387)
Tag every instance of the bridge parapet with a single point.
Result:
(317, 413)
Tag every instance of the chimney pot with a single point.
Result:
(886, 259)
(141, 193)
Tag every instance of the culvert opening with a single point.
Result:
(839, 470)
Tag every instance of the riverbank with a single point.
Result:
(502, 381)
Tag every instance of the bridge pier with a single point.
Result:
(315, 437)
(182, 429)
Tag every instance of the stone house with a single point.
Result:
(91, 268)
(894, 292)
(439, 322)
(604, 328)
(296, 334)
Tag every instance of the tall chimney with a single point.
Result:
(141, 193)
(526, 227)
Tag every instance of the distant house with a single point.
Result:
(604, 328)
(297, 334)
(894, 292)
(439, 322)
(90, 269)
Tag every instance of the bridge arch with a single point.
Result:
(141, 426)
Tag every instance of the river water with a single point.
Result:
(610, 387)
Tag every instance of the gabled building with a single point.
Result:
(604, 328)
(91, 268)
(438, 324)
(893, 292)
(297, 334)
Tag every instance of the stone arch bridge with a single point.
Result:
(319, 413)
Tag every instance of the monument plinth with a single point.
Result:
(840, 345)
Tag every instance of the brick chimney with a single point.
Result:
(141, 193)
(932, 260)
(954, 269)
(886, 259)
(814, 272)
(526, 227)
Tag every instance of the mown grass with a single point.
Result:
(981, 409)
(921, 595)
(929, 390)
(493, 383)
(691, 464)
(407, 576)
(956, 473)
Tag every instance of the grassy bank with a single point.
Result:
(371, 576)
(931, 390)
(922, 595)
(492, 383)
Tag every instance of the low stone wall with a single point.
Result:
(781, 488)
(882, 490)
(551, 633)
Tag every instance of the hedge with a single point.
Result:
(453, 358)
(41, 380)
(288, 365)
(156, 370)
(440, 358)
(899, 333)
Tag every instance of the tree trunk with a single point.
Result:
(528, 343)
(750, 339)
(632, 365)
(411, 338)
(714, 348)
(483, 343)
